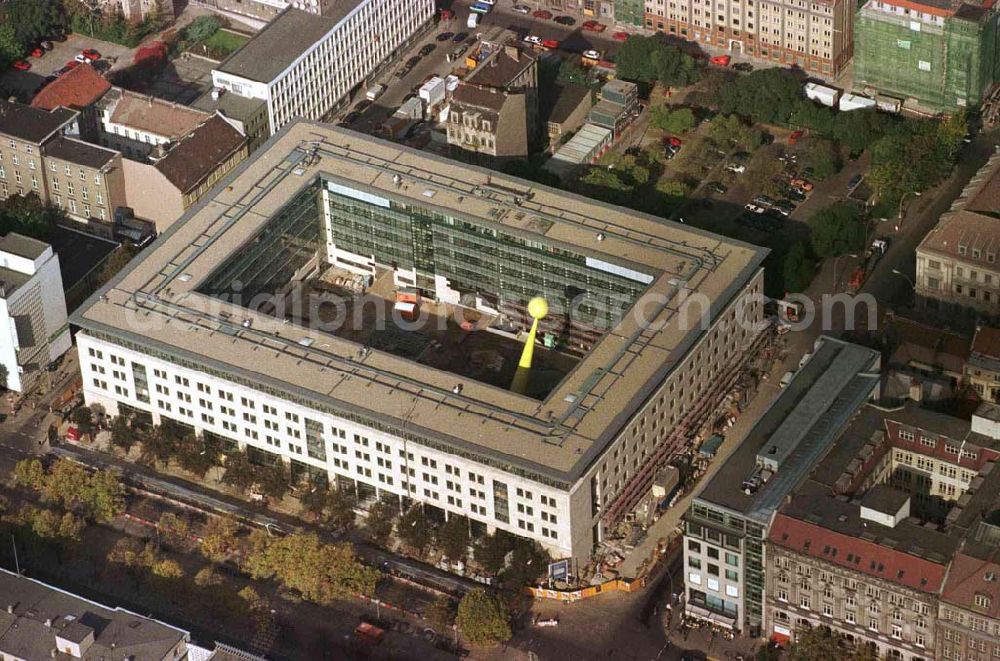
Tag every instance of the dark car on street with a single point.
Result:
(565, 20)
(716, 187)
(427, 50)
(460, 37)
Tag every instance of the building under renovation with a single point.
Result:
(938, 55)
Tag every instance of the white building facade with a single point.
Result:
(32, 310)
(316, 80)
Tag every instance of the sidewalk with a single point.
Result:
(662, 527)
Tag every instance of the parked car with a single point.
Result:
(81, 59)
(594, 26)
(21, 65)
(754, 208)
(444, 36)
(717, 187)
(744, 67)
(794, 137)
(620, 36)
(522, 9)
(550, 44)
(427, 50)
(766, 139)
(37, 52)
(46, 45)
(90, 54)
(459, 37)
(721, 60)
(669, 152)
(763, 201)
(795, 194)
(565, 20)
(854, 182)
(591, 54)
(351, 117)
(542, 14)
(673, 141)
(532, 39)
(736, 168)
(804, 184)
(784, 207)
(362, 105)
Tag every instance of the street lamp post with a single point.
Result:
(905, 277)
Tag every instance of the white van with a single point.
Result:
(375, 92)
(473, 21)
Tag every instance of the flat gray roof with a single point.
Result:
(22, 246)
(118, 634)
(282, 41)
(797, 429)
(557, 438)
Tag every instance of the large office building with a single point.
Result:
(941, 55)
(303, 65)
(269, 317)
(816, 35)
(32, 310)
(727, 525)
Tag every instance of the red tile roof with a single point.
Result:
(78, 88)
(897, 567)
(967, 578)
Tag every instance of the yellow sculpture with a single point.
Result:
(538, 308)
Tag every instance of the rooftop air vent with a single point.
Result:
(457, 389)
(600, 236)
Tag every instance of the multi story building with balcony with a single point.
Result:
(303, 65)
(816, 35)
(982, 368)
(651, 324)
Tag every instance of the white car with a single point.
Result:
(753, 208)
(522, 9)
(532, 39)
(737, 168)
(592, 54)
(82, 59)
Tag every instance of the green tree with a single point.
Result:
(765, 95)
(173, 529)
(339, 512)
(30, 474)
(83, 418)
(381, 518)
(837, 230)
(320, 572)
(821, 155)
(440, 614)
(453, 537)
(208, 578)
(167, 569)
(202, 28)
(10, 48)
(859, 129)
(483, 619)
(122, 435)
(675, 122)
(33, 20)
(652, 59)
(218, 538)
(528, 564)
(195, 455)
(414, 529)
(490, 552)
(104, 496)
(797, 268)
(66, 483)
(239, 471)
(729, 130)
(273, 480)
(158, 446)
(605, 184)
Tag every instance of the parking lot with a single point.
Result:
(24, 83)
(448, 36)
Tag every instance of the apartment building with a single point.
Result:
(135, 124)
(32, 310)
(957, 271)
(941, 56)
(728, 522)
(969, 607)
(494, 111)
(982, 369)
(816, 35)
(40, 621)
(566, 111)
(39, 156)
(78, 89)
(560, 460)
(172, 179)
(138, 10)
(870, 544)
(303, 65)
